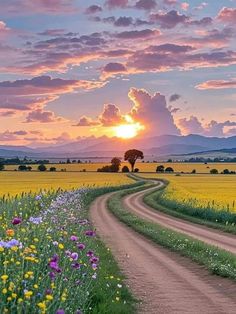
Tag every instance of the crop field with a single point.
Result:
(210, 191)
(143, 167)
(14, 183)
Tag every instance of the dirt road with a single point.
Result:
(164, 281)
(134, 202)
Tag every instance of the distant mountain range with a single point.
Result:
(153, 147)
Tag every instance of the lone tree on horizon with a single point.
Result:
(132, 155)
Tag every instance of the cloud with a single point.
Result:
(93, 9)
(174, 97)
(146, 4)
(111, 115)
(170, 2)
(194, 126)
(190, 126)
(123, 21)
(34, 94)
(3, 27)
(145, 33)
(227, 15)
(113, 68)
(217, 84)
(152, 112)
(29, 7)
(170, 19)
(184, 6)
(42, 116)
(86, 121)
(112, 4)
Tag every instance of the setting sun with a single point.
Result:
(128, 130)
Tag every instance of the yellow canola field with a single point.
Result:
(143, 167)
(215, 191)
(16, 182)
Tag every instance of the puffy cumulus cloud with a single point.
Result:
(227, 15)
(217, 84)
(109, 117)
(146, 4)
(86, 121)
(174, 97)
(9, 136)
(190, 126)
(169, 19)
(3, 27)
(170, 2)
(43, 116)
(93, 9)
(213, 128)
(112, 4)
(152, 112)
(231, 132)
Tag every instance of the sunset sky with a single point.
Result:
(125, 68)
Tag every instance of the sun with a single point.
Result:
(127, 131)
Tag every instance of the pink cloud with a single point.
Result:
(146, 4)
(227, 15)
(217, 84)
(143, 34)
(111, 4)
(184, 6)
(42, 116)
(86, 121)
(170, 19)
(92, 9)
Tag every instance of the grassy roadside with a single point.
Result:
(217, 261)
(221, 220)
(110, 293)
(153, 200)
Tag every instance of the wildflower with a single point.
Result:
(49, 297)
(60, 311)
(73, 238)
(74, 256)
(90, 233)
(10, 232)
(53, 264)
(4, 291)
(42, 306)
(28, 294)
(61, 246)
(4, 278)
(90, 253)
(36, 220)
(81, 246)
(16, 221)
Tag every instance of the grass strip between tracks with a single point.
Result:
(216, 260)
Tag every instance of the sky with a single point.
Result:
(72, 68)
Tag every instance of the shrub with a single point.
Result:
(23, 168)
(194, 171)
(160, 169)
(125, 169)
(42, 167)
(226, 171)
(136, 170)
(2, 166)
(213, 171)
(169, 169)
(52, 169)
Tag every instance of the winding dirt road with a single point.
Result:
(134, 202)
(164, 281)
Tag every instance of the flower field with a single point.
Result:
(14, 183)
(206, 191)
(51, 260)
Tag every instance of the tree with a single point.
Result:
(194, 171)
(213, 171)
(22, 168)
(132, 155)
(115, 164)
(52, 169)
(226, 171)
(125, 169)
(136, 170)
(169, 169)
(68, 161)
(160, 168)
(2, 166)
(42, 167)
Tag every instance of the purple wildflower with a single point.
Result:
(16, 221)
(74, 238)
(90, 233)
(60, 311)
(81, 246)
(53, 264)
(74, 256)
(90, 253)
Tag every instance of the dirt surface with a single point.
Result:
(134, 202)
(165, 282)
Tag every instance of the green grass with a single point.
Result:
(217, 261)
(221, 220)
